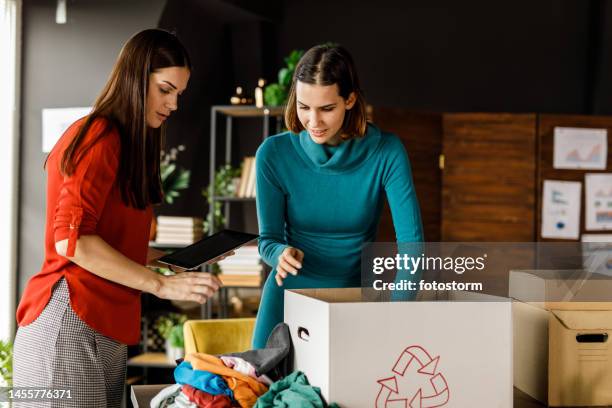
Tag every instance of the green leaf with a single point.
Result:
(284, 77)
(6, 362)
(166, 171)
(165, 323)
(275, 95)
(176, 338)
(293, 59)
(182, 181)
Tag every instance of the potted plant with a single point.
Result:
(276, 94)
(225, 186)
(175, 345)
(6, 363)
(173, 180)
(170, 327)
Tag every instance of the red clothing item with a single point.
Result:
(205, 400)
(89, 203)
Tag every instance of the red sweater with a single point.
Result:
(89, 203)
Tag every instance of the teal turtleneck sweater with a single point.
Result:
(327, 201)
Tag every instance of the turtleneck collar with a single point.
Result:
(337, 159)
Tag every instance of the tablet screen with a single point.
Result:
(208, 248)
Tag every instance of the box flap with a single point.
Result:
(573, 289)
(333, 295)
(584, 319)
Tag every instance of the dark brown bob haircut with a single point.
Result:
(122, 103)
(329, 64)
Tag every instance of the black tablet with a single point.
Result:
(208, 248)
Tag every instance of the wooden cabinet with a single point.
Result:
(494, 166)
(489, 177)
(421, 134)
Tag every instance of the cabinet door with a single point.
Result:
(421, 134)
(546, 131)
(489, 177)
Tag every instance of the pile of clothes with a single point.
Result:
(254, 378)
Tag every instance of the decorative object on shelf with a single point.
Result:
(276, 94)
(259, 99)
(6, 363)
(170, 327)
(246, 183)
(239, 98)
(225, 186)
(173, 179)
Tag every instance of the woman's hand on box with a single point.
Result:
(194, 286)
(289, 262)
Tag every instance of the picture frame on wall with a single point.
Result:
(580, 148)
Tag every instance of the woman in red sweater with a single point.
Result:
(78, 313)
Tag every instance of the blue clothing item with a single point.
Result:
(327, 201)
(210, 383)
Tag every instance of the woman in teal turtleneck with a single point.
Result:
(320, 185)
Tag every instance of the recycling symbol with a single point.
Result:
(415, 363)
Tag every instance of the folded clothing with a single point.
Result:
(204, 380)
(275, 359)
(293, 391)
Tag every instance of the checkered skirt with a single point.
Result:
(59, 351)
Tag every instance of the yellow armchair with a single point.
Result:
(218, 336)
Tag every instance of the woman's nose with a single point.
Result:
(314, 118)
(172, 104)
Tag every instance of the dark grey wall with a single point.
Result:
(445, 55)
(229, 46)
(64, 66)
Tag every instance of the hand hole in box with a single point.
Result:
(592, 338)
(303, 333)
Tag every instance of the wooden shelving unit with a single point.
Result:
(230, 113)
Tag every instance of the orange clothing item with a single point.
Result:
(246, 389)
(89, 203)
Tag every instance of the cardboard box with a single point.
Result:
(402, 354)
(562, 353)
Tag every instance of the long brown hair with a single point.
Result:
(122, 103)
(329, 64)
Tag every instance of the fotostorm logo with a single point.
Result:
(404, 262)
